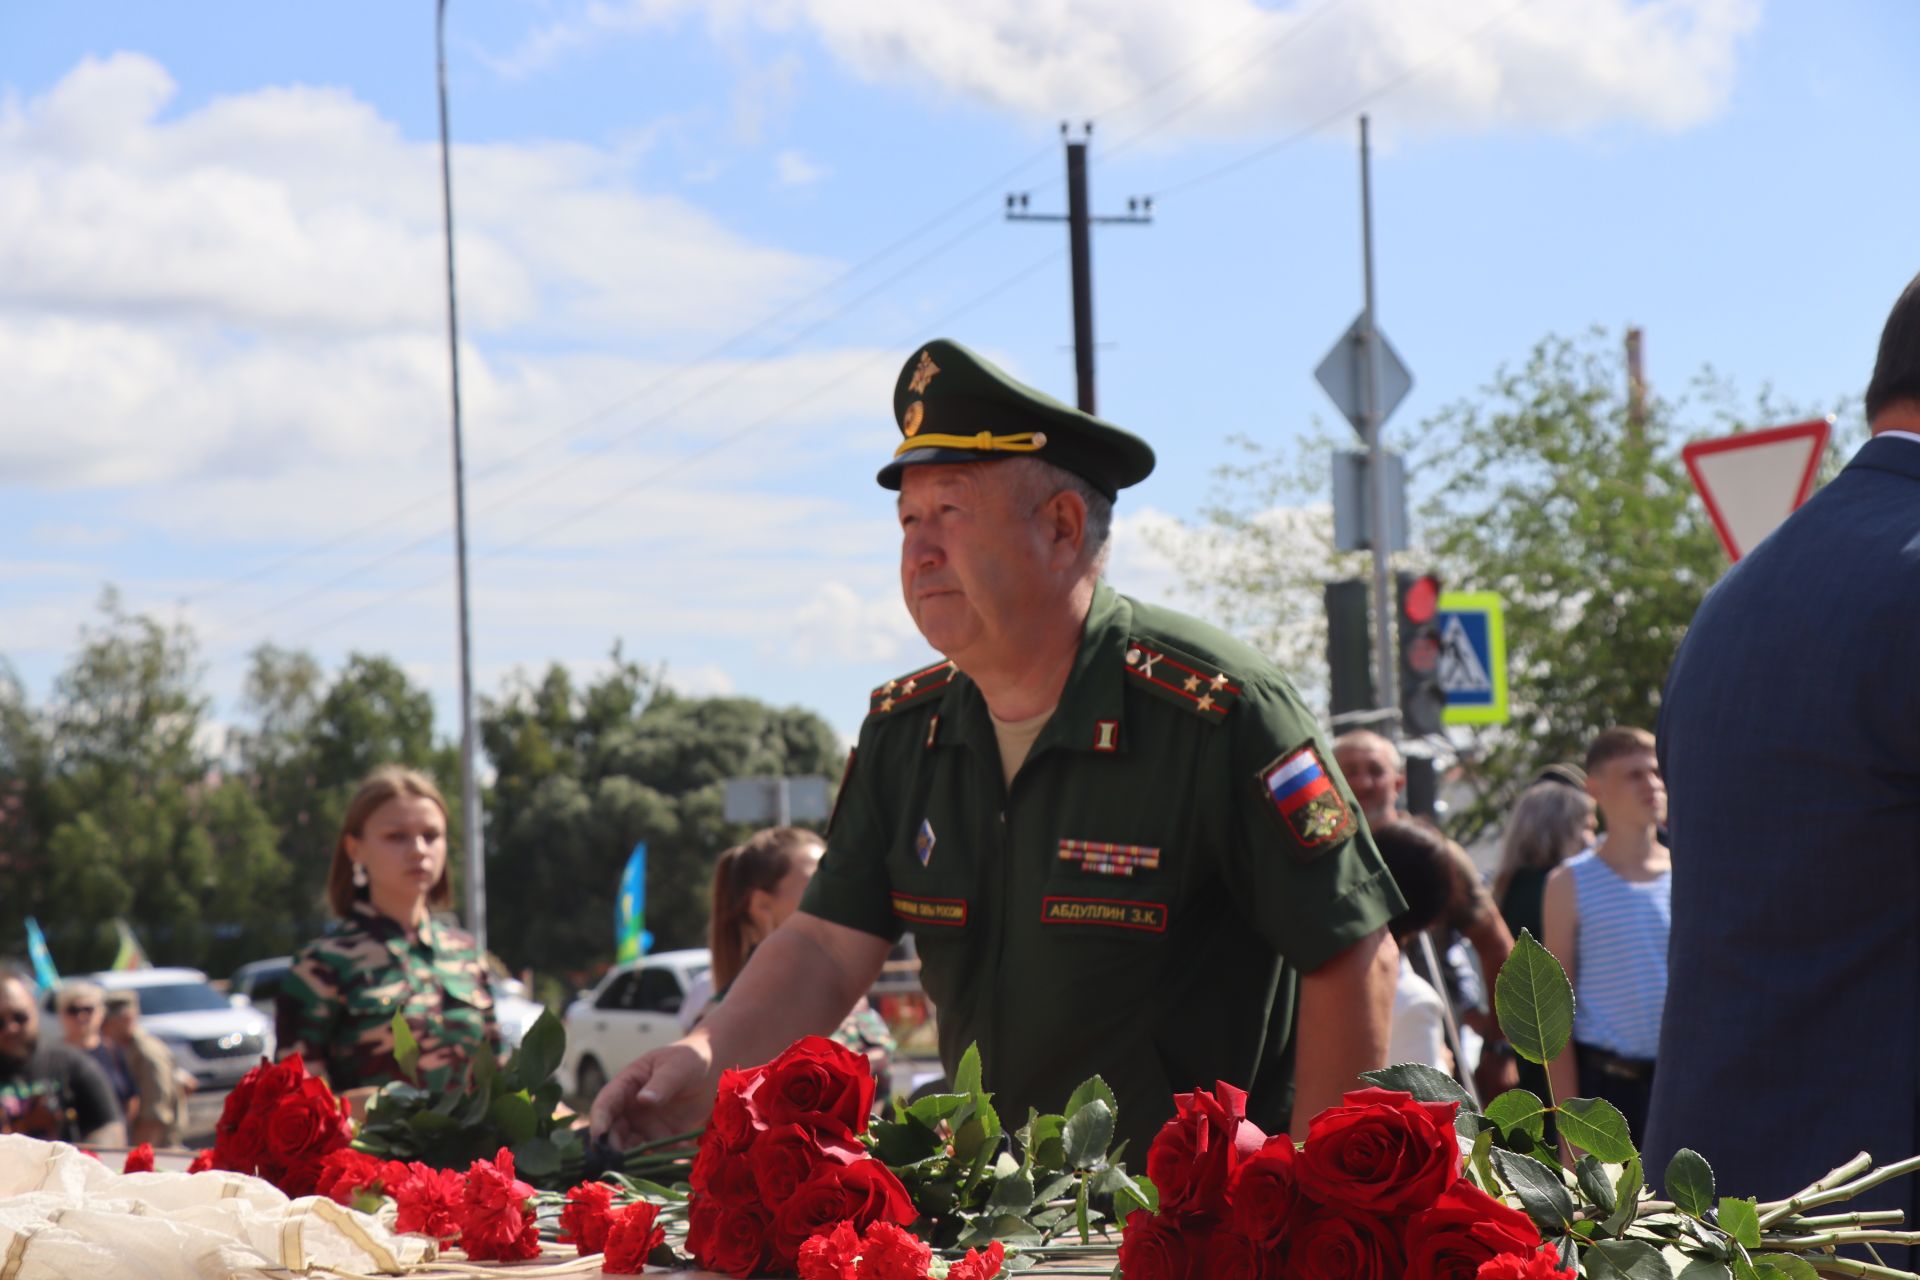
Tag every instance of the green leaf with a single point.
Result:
(1011, 1194)
(1595, 1185)
(1482, 1165)
(966, 1080)
(1596, 1125)
(1088, 1134)
(1519, 1109)
(406, 1050)
(1425, 1083)
(1626, 1196)
(905, 1143)
(429, 1123)
(1707, 1269)
(1790, 1265)
(1542, 1194)
(540, 1051)
(935, 1107)
(536, 1158)
(1624, 1260)
(1090, 1088)
(513, 1114)
(1690, 1182)
(1741, 1220)
(1049, 1148)
(1534, 1001)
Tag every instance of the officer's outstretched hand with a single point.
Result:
(659, 1094)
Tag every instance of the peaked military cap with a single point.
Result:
(953, 406)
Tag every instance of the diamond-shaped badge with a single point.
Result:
(923, 843)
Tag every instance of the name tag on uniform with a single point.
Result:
(1103, 857)
(1111, 913)
(947, 911)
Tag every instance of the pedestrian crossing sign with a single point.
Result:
(1473, 657)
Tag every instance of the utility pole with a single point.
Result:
(1636, 381)
(1373, 419)
(1079, 220)
(476, 874)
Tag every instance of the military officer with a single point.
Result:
(390, 955)
(1116, 833)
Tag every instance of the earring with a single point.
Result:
(359, 875)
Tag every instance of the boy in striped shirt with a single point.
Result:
(1607, 914)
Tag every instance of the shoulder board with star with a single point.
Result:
(911, 690)
(1181, 678)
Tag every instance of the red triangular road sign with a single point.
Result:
(1753, 481)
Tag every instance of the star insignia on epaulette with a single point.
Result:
(911, 689)
(1180, 678)
(922, 374)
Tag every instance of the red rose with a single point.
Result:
(306, 1123)
(735, 1120)
(1263, 1193)
(428, 1200)
(1329, 1245)
(726, 1176)
(496, 1218)
(863, 1193)
(1155, 1247)
(1194, 1155)
(202, 1161)
(888, 1252)
(814, 1081)
(345, 1173)
(585, 1218)
(979, 1266)
(632, 1237)
(738, 1243)
(139, 1160)
(784, 1157)
(831, 1255)
(1232, 1256)
(1381, 1154)
(1466, 1228)
(301, 1178)
(1544, 1265)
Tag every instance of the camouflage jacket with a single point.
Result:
(337, 1004)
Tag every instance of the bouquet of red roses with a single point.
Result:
(1378, 1191)
(782, 1161)
(279, 1123)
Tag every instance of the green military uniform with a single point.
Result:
(337, 1004)
(1174, 851)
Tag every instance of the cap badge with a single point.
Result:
(922, 374)
(910, 420)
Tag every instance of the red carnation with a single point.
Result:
(1544, 1265)
(202, 1161)
(1465, 1229)
(979, 1266)
(1193, 1157)
(428, 1200)
(831, 1255)
(139, 1160)
(816, 1081)
(1381, 1153)
(1154, 1247)
(1330, 1245)
(1263, 1193)
(631, 1238)
(345, 1173)
(585, 1218)
(496, 1216)
(888, 1252)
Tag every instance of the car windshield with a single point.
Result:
(180, 997)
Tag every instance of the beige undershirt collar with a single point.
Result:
(1016, 738)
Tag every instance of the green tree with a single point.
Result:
(1544, 487)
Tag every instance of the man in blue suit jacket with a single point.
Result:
(1790, 742)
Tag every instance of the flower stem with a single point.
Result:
(1849, 1267)
(1808, 1196)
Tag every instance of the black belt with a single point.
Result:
(1612, 1064)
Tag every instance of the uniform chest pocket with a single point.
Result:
(1098, 888)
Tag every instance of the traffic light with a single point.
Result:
(1422, 702)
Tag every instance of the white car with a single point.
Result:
(636, 1007)
(216, 1039)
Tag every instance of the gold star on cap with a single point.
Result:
(922, 374)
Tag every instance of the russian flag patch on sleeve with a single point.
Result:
(1309, 804)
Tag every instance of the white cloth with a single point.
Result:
(1419, 1031)
(65, 1214)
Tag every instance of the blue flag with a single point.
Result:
(43, 971)
(631, 938)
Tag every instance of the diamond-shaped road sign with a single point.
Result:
(1340, 373)
(1753, 481)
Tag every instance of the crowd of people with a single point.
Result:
(1125, 847)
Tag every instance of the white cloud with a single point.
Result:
(1224, 68)
(841, 623)
(793, 169)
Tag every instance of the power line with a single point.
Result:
(1346, 109)
(672, 469)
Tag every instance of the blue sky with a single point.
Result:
(220, 317)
